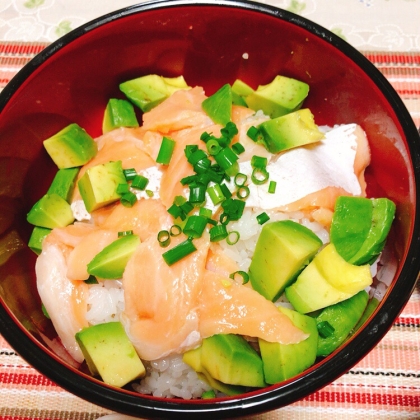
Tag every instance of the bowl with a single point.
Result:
(210, 44)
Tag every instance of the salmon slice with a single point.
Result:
(181, 110)
(121, 144)
(70, 235)
(160, 314)
(219, 262)
(227, 307)
(146, 218)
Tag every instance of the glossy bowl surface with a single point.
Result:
(210, 43)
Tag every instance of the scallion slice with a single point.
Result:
(226, 158)
(196, 156)
(166, 150)
(262, 218)
(128, 199)
(242, 192)
(149, 193)
(175, 230)
(234, 208)
(216, 194)
(253, 133)
(122, 189)
(259, 176)
(139, 182)
(238, 148)
(195, 225)
(217, 233)
(213, 147)
(202, 166)
(178, 252)
(164, 238)
(233, 237)
(243, 274)
(240, 179)
(225, 190)
(259, 162)
(129, 174)
(325, 329)
(197, 194)
(224, 219)
(125, 233)
(205, 212)
(272, 187)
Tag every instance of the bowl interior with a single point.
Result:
(72, 80)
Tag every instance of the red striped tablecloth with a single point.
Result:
(383, 385)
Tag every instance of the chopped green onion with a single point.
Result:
(166, 150)
(189, 149)
(207, 395)
(149, 193)
(216, 194)
(232, 170)
(242, 192)
(188, 179)
(179, 200)
(128, 199)
(213, 147)
(175, 211)
(125, 233)
(186, 207)
(226, 158)
(197, 194)
(240, 179)
(217, 233)
(272, 187)
(179, 251)
(129, 174)
(325, 329)
(225, 190)
(224, 218)
(229, 131)
(196, 156)
(243, 274)
(175, 230)
(122, 189)
(234, 208)
(258, 162)
(206, 137)
(233, 237)
(164, 238)
(92, 280)
(253, 133)
(238, 148)
(205, 212)
(139, 182)
(195, 225)
(259, 176)
(202, 166)
(262, 218)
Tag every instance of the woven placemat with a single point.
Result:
(384, 385)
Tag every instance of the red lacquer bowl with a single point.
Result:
(210, 43)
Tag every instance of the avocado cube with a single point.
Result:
(70, 147)
(118, 113)
(343, 317)
(50, 211)
(98, 185)
(149, 91)
(230, 359)
(111, 261)
(284, 361)
(110, 354)
(64, 182)
(219, 105)
(282, 251)
(37, 237)
(281, 96)
(239, 91)
(289, 131)
(328, 279)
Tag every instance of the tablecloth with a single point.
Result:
(383, 385)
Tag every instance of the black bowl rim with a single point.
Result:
(270, 398)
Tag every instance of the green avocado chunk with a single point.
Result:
(219, 105)
(37, 237)
(193, 359)
(240, 90)
(71, 147)
(289, 131)
(110, 354)
(328, 279)
(284, 361)
(280, 97)
(149, 91)
(283, 249)
(98, 185)
(342, 317)
(111, 261)
(64, 182)
(119, 113)
(50, 211)
(229, 358)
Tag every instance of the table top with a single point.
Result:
(383, 385)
